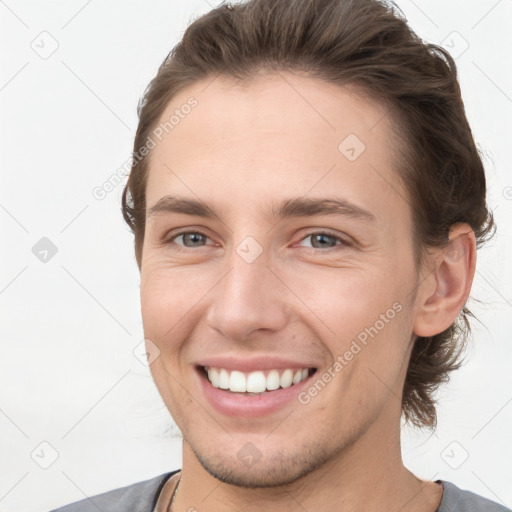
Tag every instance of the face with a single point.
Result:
(278, 280)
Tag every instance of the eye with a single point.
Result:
(322, 240)
(189, 239)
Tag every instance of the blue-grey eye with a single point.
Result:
(322, 240)
(192, 239)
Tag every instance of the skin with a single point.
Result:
(241, 150)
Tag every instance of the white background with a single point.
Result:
(68, 375)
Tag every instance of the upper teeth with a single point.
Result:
(254, 382)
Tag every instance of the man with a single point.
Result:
(306, 199)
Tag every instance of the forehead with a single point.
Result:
(278, 134)
(295, 107)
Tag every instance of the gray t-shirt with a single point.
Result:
(142, 497)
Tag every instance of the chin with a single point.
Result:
(253, 469)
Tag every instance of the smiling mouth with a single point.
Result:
(256, 382)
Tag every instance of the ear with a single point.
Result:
(444, 292)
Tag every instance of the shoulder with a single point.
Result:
(459, 500)
(139, 497)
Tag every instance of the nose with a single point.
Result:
(249, 298)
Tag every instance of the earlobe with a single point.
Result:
(445, 291)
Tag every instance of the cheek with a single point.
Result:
(347, 300)
(171, 298)
(156, 303)
(363, 316)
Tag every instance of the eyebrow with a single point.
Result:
(295, 207)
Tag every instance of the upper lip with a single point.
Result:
(254, 363)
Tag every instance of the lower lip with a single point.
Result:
(240, 404)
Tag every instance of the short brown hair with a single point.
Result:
(366, 44)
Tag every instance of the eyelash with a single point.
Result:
(343, 242)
